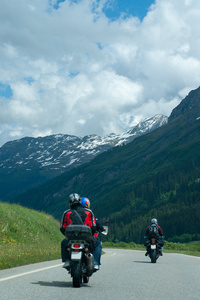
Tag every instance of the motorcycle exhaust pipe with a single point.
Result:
(90, 263)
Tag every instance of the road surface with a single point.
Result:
(124, 274)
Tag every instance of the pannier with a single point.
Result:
(78, 232)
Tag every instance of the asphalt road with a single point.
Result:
(124, 274)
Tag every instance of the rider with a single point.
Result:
(85, 202)
(70, 216)
(159, 233)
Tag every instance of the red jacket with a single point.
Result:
(71, 217)
(159, 230)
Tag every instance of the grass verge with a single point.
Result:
(27, 236)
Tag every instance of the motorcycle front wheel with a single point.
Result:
(76, 272)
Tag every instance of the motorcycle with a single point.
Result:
(81, 258)
(153, 246)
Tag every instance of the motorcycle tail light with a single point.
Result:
(77, 247)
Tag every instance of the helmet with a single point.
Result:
(74, 199)
(154, 221)
(85, 202)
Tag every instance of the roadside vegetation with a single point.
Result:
(191, 248)
(28, 236)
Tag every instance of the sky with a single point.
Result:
(94, 66)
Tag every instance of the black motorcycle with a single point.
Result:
(81, 258)
(153, 246)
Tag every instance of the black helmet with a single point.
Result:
(74, 199)
(154, 221)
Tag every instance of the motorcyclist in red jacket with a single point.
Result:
(75, 215)
(160, 234)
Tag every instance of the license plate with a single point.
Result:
(76, 255)
(153, 246)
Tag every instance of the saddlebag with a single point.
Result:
(161, 241)
(78, 232)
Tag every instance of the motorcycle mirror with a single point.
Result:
(106, 230)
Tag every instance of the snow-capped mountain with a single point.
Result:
(32, 161)
(61, 151)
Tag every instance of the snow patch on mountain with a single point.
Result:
(58, 153)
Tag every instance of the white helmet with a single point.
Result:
(154, 221)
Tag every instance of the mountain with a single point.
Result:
(156, 175)
(29, 162)
(188, 109)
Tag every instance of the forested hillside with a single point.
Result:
(156, 175)
(29, 162)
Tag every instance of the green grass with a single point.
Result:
(27, 236)
(191, 248)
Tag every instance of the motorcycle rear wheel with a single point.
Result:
(85, 278)
(76, 272)
(153, 256)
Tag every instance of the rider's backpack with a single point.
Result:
(153, 230)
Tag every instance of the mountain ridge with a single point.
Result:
(28, 162)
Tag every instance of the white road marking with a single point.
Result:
(30, 272)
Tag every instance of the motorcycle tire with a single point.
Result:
(85, 278)
(76, 272)
(153, 256)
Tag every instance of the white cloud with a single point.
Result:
(73, 71)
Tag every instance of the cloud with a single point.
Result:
(69, 69)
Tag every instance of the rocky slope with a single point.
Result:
(28, 162)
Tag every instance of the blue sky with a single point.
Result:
(94, 67)
(114, 8)
(5, 91)
(138, 8)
